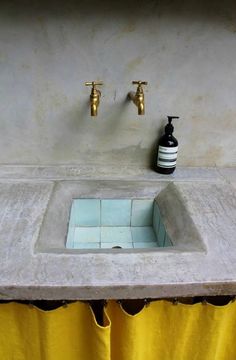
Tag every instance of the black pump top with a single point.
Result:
(169, 128)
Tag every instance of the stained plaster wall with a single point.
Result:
(186, 50)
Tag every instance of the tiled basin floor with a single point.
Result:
(116, 223)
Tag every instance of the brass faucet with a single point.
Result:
(138, 97)
(94, 97)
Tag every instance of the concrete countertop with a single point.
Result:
(25, 193)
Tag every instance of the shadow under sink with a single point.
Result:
(117, 215)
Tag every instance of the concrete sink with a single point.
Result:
(121, 216)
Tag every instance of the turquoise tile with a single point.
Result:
(142, 212)
(161, 234)
(87, 234)
(116, 212)
(116, 234)
(143, 245)
(156, 218)
(143, 234)
(167, 241)
(70, 237)
(83, 245)
(88, 212)
(110, 245)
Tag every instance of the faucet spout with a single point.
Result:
(94, 97)
(94, 101)
(141, 108)
(138, 97)
(94, 110)
(139, 102)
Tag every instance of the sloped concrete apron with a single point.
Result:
(199, 211)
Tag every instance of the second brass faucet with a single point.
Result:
(138, 97)
(94, 97)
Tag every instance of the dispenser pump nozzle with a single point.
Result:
(169, 127)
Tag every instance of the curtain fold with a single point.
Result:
(166, 331)
(66, 333)
(160, 330)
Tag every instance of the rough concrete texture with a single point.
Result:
(173, 207)
(186, 50)
(111, 172)
(28, 274)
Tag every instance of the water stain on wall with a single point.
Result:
(127, 29)
(133, 64)
(130, 27)
(230, 22)
(198, 98)
(26, 66)
(3, 57)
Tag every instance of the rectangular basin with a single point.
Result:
(116, 224)
(117, 215)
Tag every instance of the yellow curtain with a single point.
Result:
(160, 330)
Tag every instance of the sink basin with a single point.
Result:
(116, 224)
(122, 216)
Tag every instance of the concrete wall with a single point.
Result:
(186, 50)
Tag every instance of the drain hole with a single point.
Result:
(116, 247)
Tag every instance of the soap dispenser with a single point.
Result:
(167, 149)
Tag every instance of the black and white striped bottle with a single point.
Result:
(167, 149)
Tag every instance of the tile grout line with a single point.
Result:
(100, 232)
(159, 225)
(72, 215)
(159, 218)
(131, 213)
(164, 238)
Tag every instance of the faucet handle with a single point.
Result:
(139, 82)
(93, 83)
